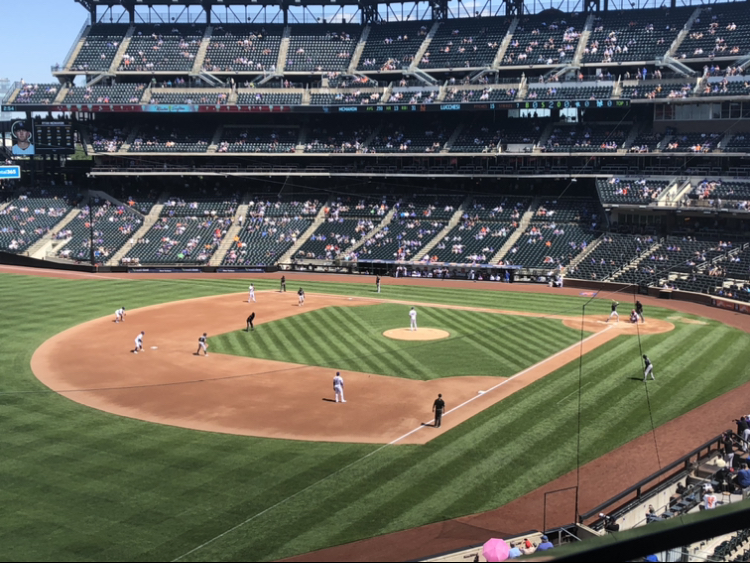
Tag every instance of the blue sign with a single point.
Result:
(10, 172)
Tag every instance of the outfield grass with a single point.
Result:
(79, 484)
(351, 338)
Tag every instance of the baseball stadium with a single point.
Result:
(349, 280)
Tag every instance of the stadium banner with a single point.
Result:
(258, 270)
(362, 108)
(10, 172)
(164, 270)
(737, 307)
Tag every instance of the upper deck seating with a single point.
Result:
(99, 48)
(159, 48)
(637, 35)
(37, 94)
(114, 94)
(465, 43)
(544, 39)
(393, 45)
(318, 48)
(243, 48)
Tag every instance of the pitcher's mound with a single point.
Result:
(419, 334)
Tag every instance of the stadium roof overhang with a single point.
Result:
(132, 4)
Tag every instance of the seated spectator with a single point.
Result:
(709, 498)
(743, 477)
(514, 551)
(545, 545)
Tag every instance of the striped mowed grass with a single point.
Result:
(80, 484)
(351, 338)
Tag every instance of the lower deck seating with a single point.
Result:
(334, 236)
(183, 240)
(473, 242)
(27, 219)
(262, 241)
(613, 252)
(112, 228)
(402, 239)
(550, 245)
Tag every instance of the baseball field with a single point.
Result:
(242, 455)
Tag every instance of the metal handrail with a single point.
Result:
(638, 487)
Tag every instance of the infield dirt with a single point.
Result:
(92, 364)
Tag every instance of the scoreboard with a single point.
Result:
(54, 137)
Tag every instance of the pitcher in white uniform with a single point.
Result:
(338, 387)
(413, 317)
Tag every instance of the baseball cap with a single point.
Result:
(545, 538)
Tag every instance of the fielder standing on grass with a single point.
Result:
(377, 283)
(139, 342)
(202, 345)
(283, 284)
(438, 407)
(649, 368)
(250, 320)
(338, 387)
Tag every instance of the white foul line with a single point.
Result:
(259, 514)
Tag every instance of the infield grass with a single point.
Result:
(80, 484)
(351, 338)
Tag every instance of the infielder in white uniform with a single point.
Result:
(413, 317)
(139, 342)
(338, 387)
(120, 315)
(202, 345)
(251, 294)
(301, 295)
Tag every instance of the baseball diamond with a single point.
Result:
(287, 456)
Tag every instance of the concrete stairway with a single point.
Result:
(583, 40)
(725, 140)
(115, 201)
(148, 222)
(452, 139)
(505, 44)
(455, 219)
(518, 233)
(200, 56)
(61, 94)
(319, 220)
(129, 141)
(283, 50)
(216, 139)
(635, 262)
(122, 49)
(41, 247)
(357, 55)
(424, 46)
(632, 136)
(384, 223)
(77, 49)
(675, 193)
(233, 231)
(582, 256)
(683, 33)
